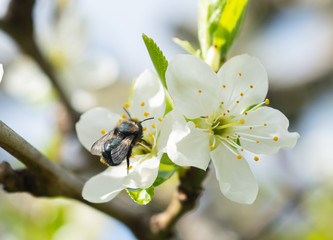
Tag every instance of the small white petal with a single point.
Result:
(193, 85)
(92, 122)
(277, 128)
(105, 186)
(234, 175)
(245, 80)
(143, 172)
(149, 97)
(1, 72)
(187, 146)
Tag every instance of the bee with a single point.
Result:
(117, 144)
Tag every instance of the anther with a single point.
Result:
(153, 125)
(227, 136)
(242, 149)
(240, 74)
(237, 101)
(146, 114)
(223, 85)
(196, 126)
(250, 128)
(222, 102)
(129, 168)
(160, 119)
(266, 101)
(103, 131)
(251, 86)
(275, 138)
(265, 124)
(199, 91)
(211, 132)
(239, 156)
(242, 121)
(238, 136)
(136, 119)
(133, 155)
(211, 147)
(257, 141)
(245, 113)
(123, 116)
(256, 158)
(228, 111)
(242, 94)
(120, 120)
(224, 114)
(126, 105)
(150, 135)
(144, 129)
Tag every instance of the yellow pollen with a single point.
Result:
(242, 121)
(267, 101)
(126, 105)
(237, 101)
(250, 128)
(142, 104)
(103, 131)
(265, 124)
(129, 168)
(150, 135)
(153, 125)
(146, 114)
(257, 141)
(222, 102)
(227, 136)
(242, 149)
(211, 147)
(144, 129)
(251, 86)
(242, 94)
(256, 158)
(196, 126)
(212, 132)
(133, 155)
(160, 119)
(223, 85)
(240, 74)
(239, 156)
(123, 116)
(199, 91)
(275, 138)
(136, 119)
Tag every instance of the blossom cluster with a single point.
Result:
(215, 116)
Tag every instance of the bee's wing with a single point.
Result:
(98, 147)
(119, 153)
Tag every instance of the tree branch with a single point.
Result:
(18, 24)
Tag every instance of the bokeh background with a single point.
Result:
(96, 50)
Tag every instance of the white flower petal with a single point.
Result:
(193, 85)
(1, 72)
(148, 97)
(105, 186)
(143, 172)
(92, 122)
(245, 80)
(234, 175)
(187, 146)
(277, 126)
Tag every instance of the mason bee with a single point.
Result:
(117, 144)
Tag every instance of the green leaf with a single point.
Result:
(157, 57)
(229, 25)
(141, 196)
(210, 12)
(166, 169)
(186, 45)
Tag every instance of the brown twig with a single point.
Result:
(18, 24)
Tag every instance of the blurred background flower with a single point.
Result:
(95, 49)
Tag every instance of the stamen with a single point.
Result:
(136, 119)
(133, 155)
(150, 135)
(266, 101)
(222, 102)
(199, 91)
(196, 126)
(257, 141)
(126, 105)
(123, 116)
(242, 121)
(146, 114)
(242, 94)
(211, 132)
(144, 129)
(103, 131)
(129, 168)
(250, 128)
(237, 101)
(153, 125)
(238, 136)
(223, 85)
(275, 138)
(160, 119)
(224, 114)
(120, 120)
(242, 149)
(239, 156)
(240, 74)
(265, 124)
(251, 86)
(256, 158)
(211, 147)
(142, 104)
(245, 113)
